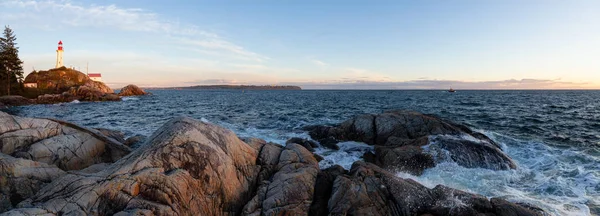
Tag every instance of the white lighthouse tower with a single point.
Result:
(59, 55)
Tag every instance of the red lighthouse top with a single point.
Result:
(59, 42)
(60, 45)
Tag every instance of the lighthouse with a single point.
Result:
(59, 55)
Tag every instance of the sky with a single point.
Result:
(431, 44)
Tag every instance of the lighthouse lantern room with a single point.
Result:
(59, 55)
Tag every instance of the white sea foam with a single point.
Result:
(558, 180)
(349, 153)
(130, 98)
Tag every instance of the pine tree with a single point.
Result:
(11, 67)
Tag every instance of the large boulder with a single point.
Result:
(187, 168)
(21, 179)
(131, 90)
(100, 86)
(15, 100)
(412, 142)
(387, 127)
(290, 190)
(66, 145)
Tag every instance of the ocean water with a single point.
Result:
(553, 136)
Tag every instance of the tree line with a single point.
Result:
(11, 67)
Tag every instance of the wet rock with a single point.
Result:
(14, 100)
(135, 141)
(131, 90)
(20, 179)
(186, 168)
(330, 143)
(506, 208)
(412, 157)
(308, 144)
(319, 158)
(472, 154)
(400, 136)
(66, 145)
(377, 129)
(450, 201)
(370, 190)
(290, 190)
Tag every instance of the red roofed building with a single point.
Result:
(95, 77)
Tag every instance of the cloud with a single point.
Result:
(445, 84)
(39, 12)
(319, 63)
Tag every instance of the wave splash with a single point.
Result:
(562, 181)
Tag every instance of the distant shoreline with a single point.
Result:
(233, 87)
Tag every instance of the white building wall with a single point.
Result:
(99, 79)
(30, 85)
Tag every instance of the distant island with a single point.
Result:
(237, 87)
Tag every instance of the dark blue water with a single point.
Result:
(554, 136)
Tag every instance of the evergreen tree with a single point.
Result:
(11, 67)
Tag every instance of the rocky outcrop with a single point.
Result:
(81, 93)
(61, 85)
(189, 167)
(412, 142)
(14, 100)
(66, 145)
(370, 190)
(57, 80)
(131, 90)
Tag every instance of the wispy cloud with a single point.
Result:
(69, 13)
(319, 63)
(445, 84)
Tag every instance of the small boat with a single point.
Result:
(451, 90)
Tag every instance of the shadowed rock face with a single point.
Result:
(400, 138)
(14, 100)
(131, 90)
(21, 179)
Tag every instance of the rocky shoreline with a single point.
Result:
(79, 93)
(189, 167)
